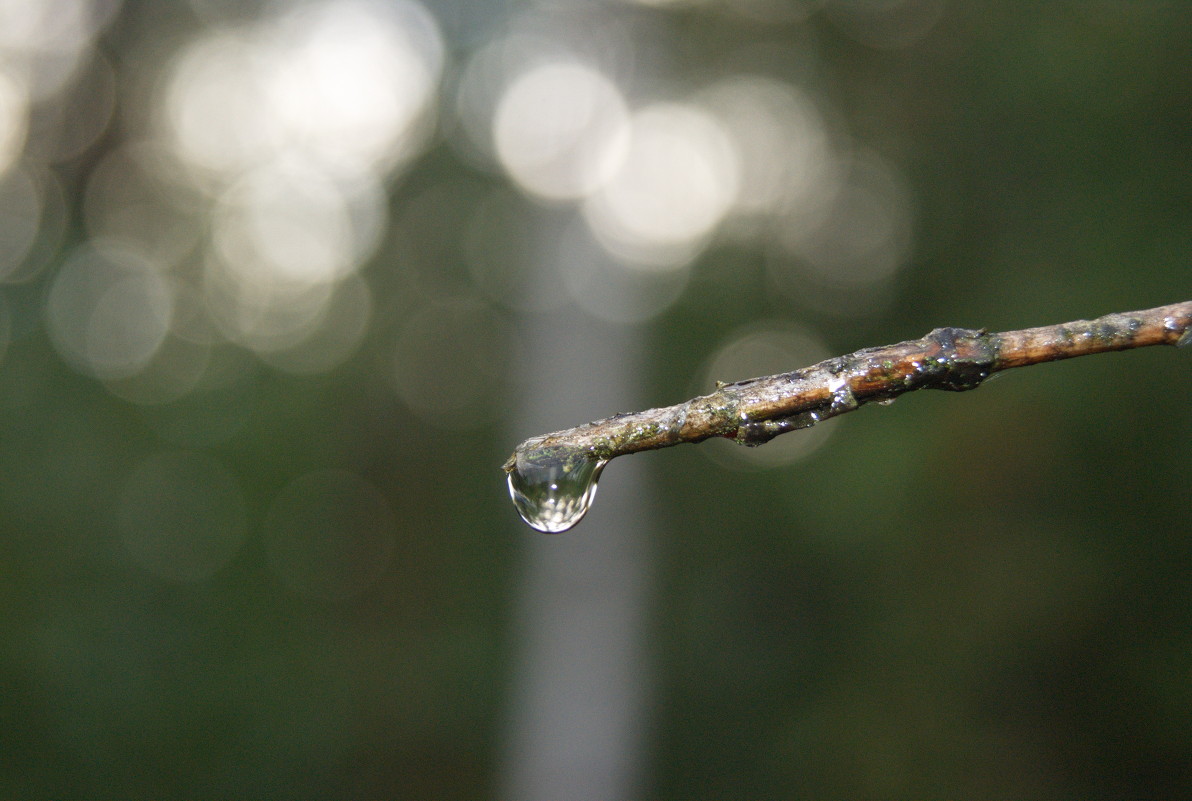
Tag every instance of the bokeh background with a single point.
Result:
(283, 283)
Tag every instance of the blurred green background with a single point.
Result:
(283, 283)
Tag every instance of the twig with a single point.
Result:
(758, 409)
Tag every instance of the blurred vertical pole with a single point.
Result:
(575, 723)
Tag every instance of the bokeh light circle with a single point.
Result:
(560, 130)
(341, 329)
(285, 222)
(867, 233)
(608, 288)
(348, 86)
(14, 120)
(215, 108)
(760, 349)
(677, 181)
(108, 314)
(21, 201)
(787, 164)
(127, 200)
(352, 79)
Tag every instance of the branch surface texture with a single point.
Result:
(756, 410)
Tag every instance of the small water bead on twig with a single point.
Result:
(1180, 328)
(843, 399)
(678, 419)
(752, 433)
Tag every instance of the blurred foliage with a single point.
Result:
(981, 595)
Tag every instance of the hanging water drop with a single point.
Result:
(553, 489)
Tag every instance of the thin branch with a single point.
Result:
(758, 409)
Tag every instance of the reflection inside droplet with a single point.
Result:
(552, 489)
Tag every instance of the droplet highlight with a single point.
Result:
(553, 490)
(843, 399)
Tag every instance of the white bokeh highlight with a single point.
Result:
(788, 167)
(107, 315)
(344, 85)
(679, 178)
(560, 130)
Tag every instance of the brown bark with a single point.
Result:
(759, 409)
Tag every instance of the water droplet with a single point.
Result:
(553, 489)
(843, 399)
(678, 420)
(758, 432)
(914, 376)
(803, 420)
